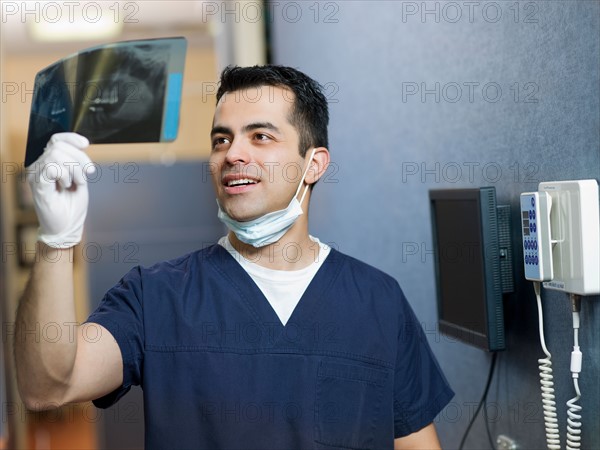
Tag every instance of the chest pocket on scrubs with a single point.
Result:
(348, 400)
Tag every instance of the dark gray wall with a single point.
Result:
(389, 149)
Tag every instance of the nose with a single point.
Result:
(237, 153)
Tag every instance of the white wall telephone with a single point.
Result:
(561, 248)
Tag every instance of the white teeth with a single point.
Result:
(241, 181)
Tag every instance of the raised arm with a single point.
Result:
(58, 361)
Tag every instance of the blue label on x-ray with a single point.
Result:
(173, 101)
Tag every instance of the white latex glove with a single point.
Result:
(59, 187)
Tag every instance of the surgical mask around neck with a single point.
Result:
(269, 228)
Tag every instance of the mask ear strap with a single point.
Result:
(304, 193)
(304, 176)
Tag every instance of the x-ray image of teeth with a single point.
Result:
(116, 93)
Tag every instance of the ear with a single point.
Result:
(318, 165)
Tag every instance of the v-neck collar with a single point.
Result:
(258, 305)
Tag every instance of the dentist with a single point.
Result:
(268, 339)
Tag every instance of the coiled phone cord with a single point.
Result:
(574, 419)
(547, 383)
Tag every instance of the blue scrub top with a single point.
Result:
(352, 367)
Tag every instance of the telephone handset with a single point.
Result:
(537, 247)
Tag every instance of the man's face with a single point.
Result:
(255, 163)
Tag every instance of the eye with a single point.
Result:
(219, 141)
(262, 137)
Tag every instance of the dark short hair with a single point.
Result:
(309, 114)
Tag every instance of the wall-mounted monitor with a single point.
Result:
(473, 264)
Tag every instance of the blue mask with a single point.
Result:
(269, 228)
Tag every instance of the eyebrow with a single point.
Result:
(257, 125)
(220, 130)
(250, 127)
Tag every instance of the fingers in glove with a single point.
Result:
(62, 162)
(75, 164)
(74, 139)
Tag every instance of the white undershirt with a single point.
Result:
(282, 288)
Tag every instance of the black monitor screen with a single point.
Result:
(461, 277)
(467, 265)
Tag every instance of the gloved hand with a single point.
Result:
(59, 187)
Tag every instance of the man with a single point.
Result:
(267, 340)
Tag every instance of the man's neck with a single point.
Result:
(294, 251)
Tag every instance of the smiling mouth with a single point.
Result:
(240, 182)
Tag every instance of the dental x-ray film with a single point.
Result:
(123, 92)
